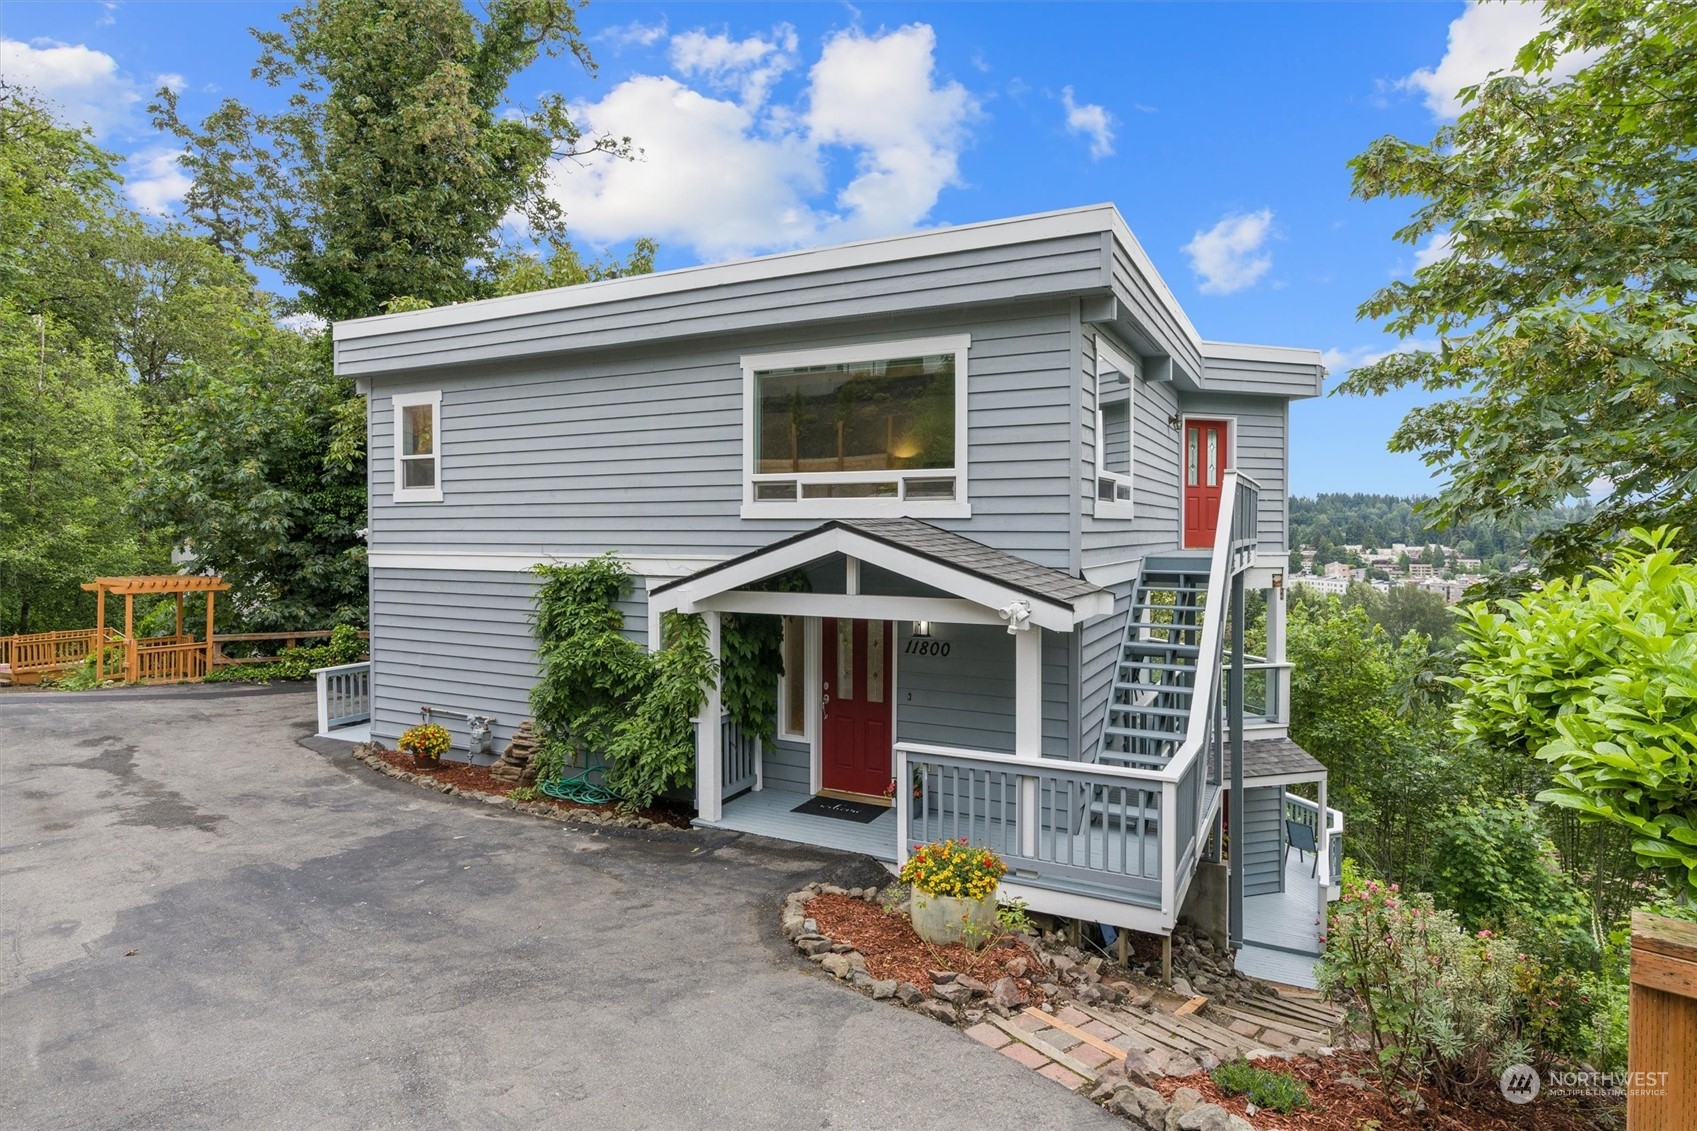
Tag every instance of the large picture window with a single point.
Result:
(1116, 405)
(418, 456)
(876, 429)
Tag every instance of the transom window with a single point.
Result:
(858, 430)
(1116, 404)
(418, 456)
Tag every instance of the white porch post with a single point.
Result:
(1324, 841)
(1278, 702)
(709, 758)
(1028, 726)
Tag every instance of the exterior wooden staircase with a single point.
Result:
(1149, 705)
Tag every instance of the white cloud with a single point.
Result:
(83, 85)
(304, 322)
(172, 80)
(1340, 362)
(1434, 249)
(634, 34)
(1483, 39)
(1229, 255)
(728, 178)
(1092, 121)
(109, 14)
(750, 66)
(156, 182)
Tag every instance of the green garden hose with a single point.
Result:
(583, 787)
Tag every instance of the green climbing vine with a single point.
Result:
(598, 691)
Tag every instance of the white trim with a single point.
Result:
(1230, 464)
(1244, 351)
(789, 678)
(509, 562)
(849, 607)
(815, 717)
(1059, 616)
(433, 493)
(1267, 781)
(1122, 363)
(958, 345)
(887, 249)
(709, 753)
(1114, 573)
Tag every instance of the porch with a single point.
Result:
(1112, 834)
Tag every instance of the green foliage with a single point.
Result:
(1014, 916)
(84, 678)
(1328, 521)
(653, 748)
(397, 158)
(1262, 1087)
(343, 647)
(753, 659)
(247, 482)
(1562, 305)
(524, 793)
(1599, 678)
(600, 692)
(1438, 1005)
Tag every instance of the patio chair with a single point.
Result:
(1301, 837)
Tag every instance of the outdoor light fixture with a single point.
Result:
(922, 629)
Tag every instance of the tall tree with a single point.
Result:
(388, 181)
(1564, 306)
(395, 166)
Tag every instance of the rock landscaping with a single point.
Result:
(480, 784)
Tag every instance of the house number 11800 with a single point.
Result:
(917, 647)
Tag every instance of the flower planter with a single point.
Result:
(944, 919)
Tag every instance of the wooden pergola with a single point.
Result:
(178, 584)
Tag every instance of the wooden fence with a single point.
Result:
(148, 659)
(1662, 1043)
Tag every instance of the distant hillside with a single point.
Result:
(1327, 522)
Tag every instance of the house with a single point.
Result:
(1022, 489)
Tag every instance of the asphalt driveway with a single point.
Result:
(205, 923)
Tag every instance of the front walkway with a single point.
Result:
(1281, 931)
(769, 812)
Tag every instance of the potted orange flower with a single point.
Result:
(954, 892)
(426, 743)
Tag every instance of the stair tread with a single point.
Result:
(1140, 732)
(1141, 709)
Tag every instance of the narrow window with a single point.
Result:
(794, 686)
(418, 456)
(1116, 413)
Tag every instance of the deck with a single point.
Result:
(769, 813)
(1281, 932)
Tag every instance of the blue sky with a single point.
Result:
(1221, 131)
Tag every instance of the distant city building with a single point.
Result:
(1336, 586)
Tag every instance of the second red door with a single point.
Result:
(1205, 463)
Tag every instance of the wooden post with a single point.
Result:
(1166, 960)
(130, 659)
(99, 632)
(1661, 1092)
(210, 646)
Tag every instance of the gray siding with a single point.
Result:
(1263, 841)
(1262, 453)
(967, 697)
(1061, 266)
(788, 766)
(459, 640)
(1149, 305)
(1262, 376)
(642, 452)
(1154, 525)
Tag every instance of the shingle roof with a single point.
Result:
(1278, 758)
(944, 547)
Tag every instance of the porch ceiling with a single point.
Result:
(950, 562)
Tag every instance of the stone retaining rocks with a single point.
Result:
(604, 818)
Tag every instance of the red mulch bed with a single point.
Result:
(1335, 1106)
(462, 775)
(892, 950)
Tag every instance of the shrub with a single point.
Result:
(1261, 1086)
(954, 868)
(343, 647)
(427, 740)
(1437, 1003)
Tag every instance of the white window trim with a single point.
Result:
(1122, 363)
(412, 400)
(957, 507)
(807, 677)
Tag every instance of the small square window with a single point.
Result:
(418, 455)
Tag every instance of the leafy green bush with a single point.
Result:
(653, 749)
(1261, 1086)
(1598, 677)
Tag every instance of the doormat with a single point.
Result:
(842, 810)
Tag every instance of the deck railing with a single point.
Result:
(49, 651)
(740, 763)
(167, 660)
(1266, 690)
(1306, 812)
(344, 695)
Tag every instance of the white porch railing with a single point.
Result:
(741, 758)
(1306, 812)
(1266, 690)
(344, 695)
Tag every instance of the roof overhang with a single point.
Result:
(978, 588)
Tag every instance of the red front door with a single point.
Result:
(1205, 461)
(855, 679)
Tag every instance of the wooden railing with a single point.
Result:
(344, 695)
(172, 662)
(1661, 1086)
(287, 640)
(33, 655)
